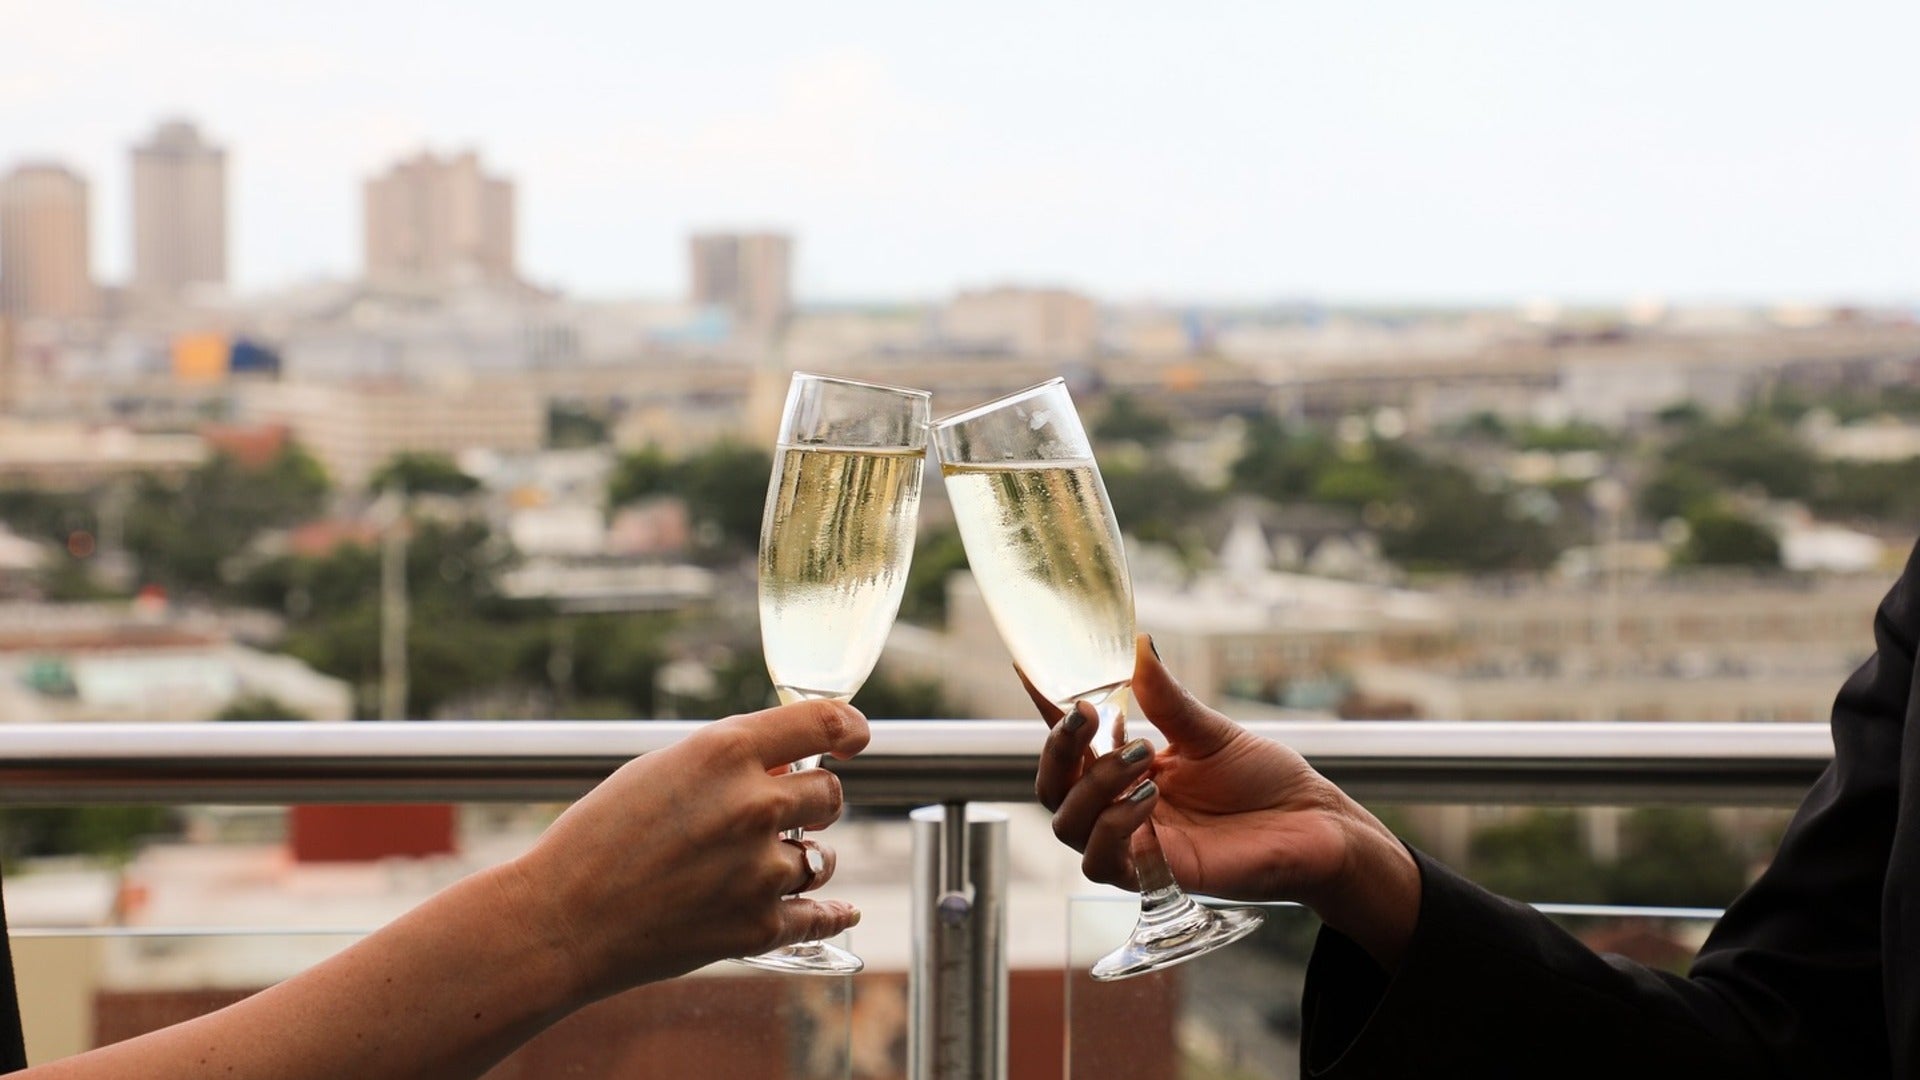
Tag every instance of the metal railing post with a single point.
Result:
(957, 977)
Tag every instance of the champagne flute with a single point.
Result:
(835, 542)
(1041, 538)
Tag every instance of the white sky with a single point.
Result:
(1379, 150)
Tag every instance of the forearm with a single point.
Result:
(446, 991)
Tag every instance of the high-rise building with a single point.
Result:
(749, 274)
(179, 213)
(45, 266)
(438, 221)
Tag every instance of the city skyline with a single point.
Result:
(1501, 154)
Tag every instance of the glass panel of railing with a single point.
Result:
(1235, 1014)
(85, 988)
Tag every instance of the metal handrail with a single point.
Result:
(909, 761)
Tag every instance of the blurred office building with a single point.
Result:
(750, 275)
(355, 427)
(436, 221)
(45, 264)
(179, 214)
(1053, 323)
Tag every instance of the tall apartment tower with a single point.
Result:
(749, 274)
(46, 270)
(437, 221)
(179, 213)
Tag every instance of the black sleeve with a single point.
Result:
(1789, 983)
(13, 1042)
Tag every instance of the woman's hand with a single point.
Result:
(675, 860)
(1238, 816)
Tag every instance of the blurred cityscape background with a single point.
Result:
(1528, 367)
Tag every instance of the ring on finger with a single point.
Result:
(813, 861)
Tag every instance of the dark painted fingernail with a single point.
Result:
(1155, 648)
(1135, 752)
(1142, 793)
(1076, 719)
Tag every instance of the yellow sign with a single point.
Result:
(200, 357)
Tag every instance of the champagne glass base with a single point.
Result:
(1156, 944)
(807, 958)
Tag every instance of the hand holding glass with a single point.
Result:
(1041, 538)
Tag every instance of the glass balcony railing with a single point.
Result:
(183, 926)
(1235, 1014)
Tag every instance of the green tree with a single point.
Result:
(182, 535)
(258, 707)
(1446, 520)
(884, 698)
(1572, 436)
(1883, 491)
(1278, 463)
(1748, 451)
(1354, 483)
(570, 426)
(1685, 414)
(1486, 426)
(1539, 858)
(1154, 500)
(1676, 491)
(610, 659)
(741, 685)
(463, 636)
(936, 555)
(108, 832)
(640, 474)
(66, 579)
(1127, 420)
(1675, 856)
(1431, 514)
(1726, 538)
(422, 474)
(47, 515)
(725, 487)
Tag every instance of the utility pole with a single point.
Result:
(391, 511)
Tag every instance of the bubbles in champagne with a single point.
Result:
(834, 548)
(1045, 548)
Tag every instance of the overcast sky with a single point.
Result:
(1410, 151)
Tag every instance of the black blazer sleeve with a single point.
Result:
(1789, 984)
(13, 1043)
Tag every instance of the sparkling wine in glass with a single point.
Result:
(835, 542)
(1041, 538)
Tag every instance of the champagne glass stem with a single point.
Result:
(806, 957)
(1172, 926)
(787, 697)
(805, 763)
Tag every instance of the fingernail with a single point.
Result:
(848, 912)
(1135, 752)
(1152, 646)
(1145, 791)
(1076, 719)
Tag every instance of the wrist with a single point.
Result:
(536, 907)
(1374, 897)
